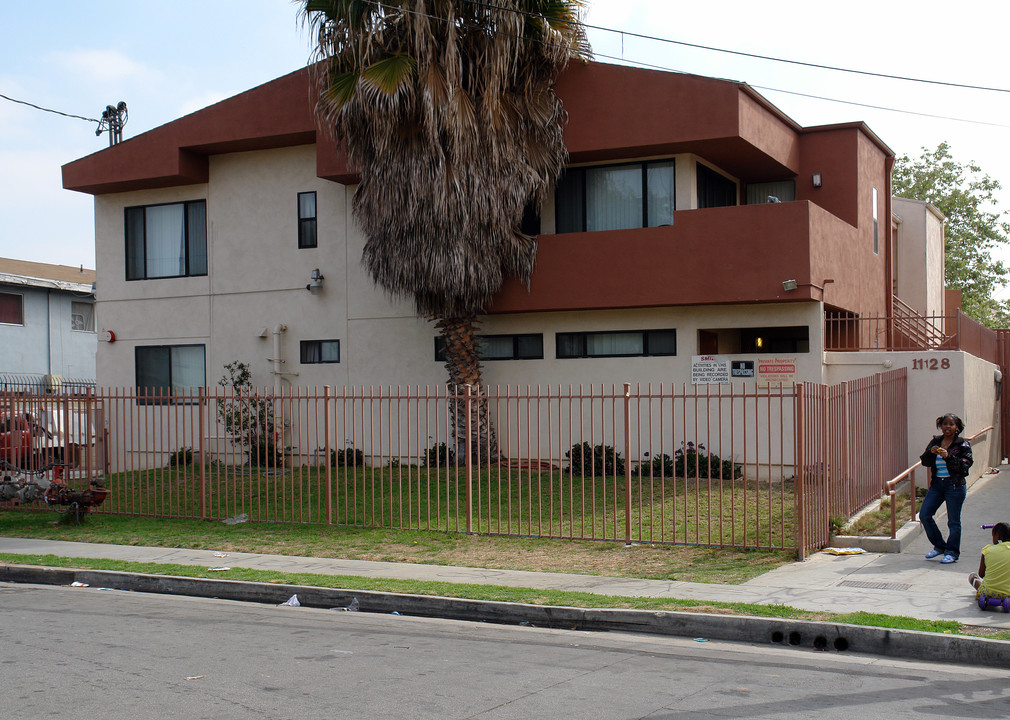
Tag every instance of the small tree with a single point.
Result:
(248, 418)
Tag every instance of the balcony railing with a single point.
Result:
(905, 329)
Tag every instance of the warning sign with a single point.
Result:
(776, 370)
(707, 369)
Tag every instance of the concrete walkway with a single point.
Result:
(889, 583)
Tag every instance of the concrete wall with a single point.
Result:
(938, 383)
(919, 256)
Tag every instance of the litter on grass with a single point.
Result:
(241, 518)
(218, 569)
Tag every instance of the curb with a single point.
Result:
(823, 636)
(880, 544)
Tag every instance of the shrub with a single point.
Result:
(181, 457)
(594, 460)
(347, 457)
(440, 455)
(690, 461)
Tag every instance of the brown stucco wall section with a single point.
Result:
(721, 255)
(617, 112)
(277, 114)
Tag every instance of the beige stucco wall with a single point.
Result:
(918, 260)
(938, 383)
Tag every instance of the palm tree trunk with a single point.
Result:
(462, 360)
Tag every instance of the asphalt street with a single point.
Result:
(91, 653)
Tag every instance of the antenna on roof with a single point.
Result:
(113, 120)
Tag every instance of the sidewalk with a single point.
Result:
(888, 583)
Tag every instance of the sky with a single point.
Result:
(167, 58)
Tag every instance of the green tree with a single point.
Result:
(446, 108)
(976, 226)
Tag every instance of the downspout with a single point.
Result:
(49, 332)
(276, 360)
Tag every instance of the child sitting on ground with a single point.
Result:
(993, 576)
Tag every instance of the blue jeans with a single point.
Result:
(941, 492)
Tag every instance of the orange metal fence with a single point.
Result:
(909, 331)
(709, 465)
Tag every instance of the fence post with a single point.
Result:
(469, 459)
(201, 447)
(847, 450)
(801, 505)
(880, 432)
(627, 463)
(326, 449)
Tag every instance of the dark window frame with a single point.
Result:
(21, 309)
(304, 345)
(304, 222)
(578, 174)
(188, 271)
(583, 336)
(146, 395)
(516, 353)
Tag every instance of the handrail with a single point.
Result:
(891, 484)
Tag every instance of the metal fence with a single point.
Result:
(906, 330)
(710, 465)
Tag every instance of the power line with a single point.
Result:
(652, 66)
(57, 112)
(761, 87)
(757, 56)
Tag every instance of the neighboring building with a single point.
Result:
(695, 219)
(47, 322)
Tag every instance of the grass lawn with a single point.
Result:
(504, 501)
(657, 561)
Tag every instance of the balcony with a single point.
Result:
(725, 255)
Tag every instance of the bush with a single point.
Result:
(440, 455)
(690, 461)
(347, 457)
(594, 460)
(181, 457)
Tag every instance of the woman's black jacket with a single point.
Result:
(958, 459)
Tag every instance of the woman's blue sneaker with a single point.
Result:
(933, 553)
(948, 558)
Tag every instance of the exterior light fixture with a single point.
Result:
(759, 342)
(315, 285)
(817, 179)
(788, 285)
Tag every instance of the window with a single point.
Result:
(306, 220)
(320, 351)
(769, 192)
(502, 347)
(876, 225)
(714, 188)
(618, 343)
(164, 370)
(12, 309)
(615, 197)
(773, 340)
(165, 241)
(82, 316)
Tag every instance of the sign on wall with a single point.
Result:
(776, 370)
(707, 369)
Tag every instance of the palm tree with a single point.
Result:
(447, 110)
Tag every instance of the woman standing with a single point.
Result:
(948, 457)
